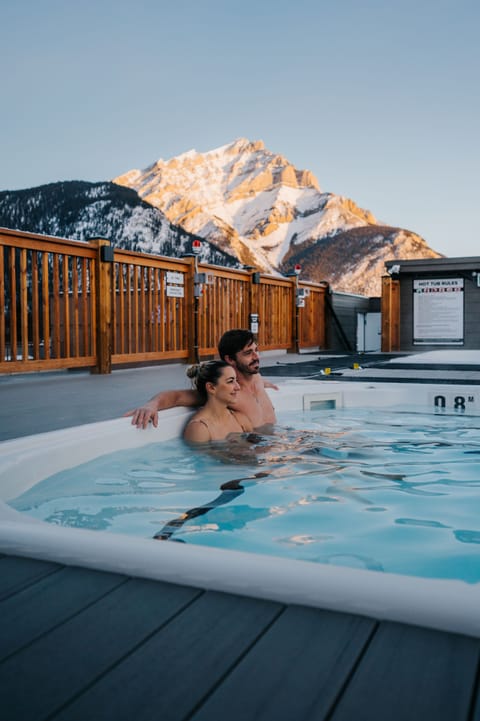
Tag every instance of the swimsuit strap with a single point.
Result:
(204, 423)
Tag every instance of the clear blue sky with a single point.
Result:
(378, 98)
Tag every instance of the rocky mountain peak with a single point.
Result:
(243, 145)
(236, 194)
(257, 205)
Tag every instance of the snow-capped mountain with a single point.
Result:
(251, 207)
(255, 204)
(80, 210)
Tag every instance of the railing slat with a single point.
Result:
(35, 312)
(2, 306)
(129, 277)
(155, 310)
(13, 305)
(66, 304)
(45, 307)
(85, 295)
(93, 313)
(135, 307)
(56, 307)
(75, 314)
(161, 324)
(23, 303)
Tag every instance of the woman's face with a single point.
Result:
(226, 387)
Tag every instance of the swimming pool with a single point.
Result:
(390, 595)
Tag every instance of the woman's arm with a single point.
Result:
(142, 416)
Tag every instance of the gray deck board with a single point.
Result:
(63, 663)
(177, 667)
(297, 668)
(52, 600)
(79, 644)
(412, 673)
(17, 573)
(476, 710)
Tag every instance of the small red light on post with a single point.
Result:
(196, 246)
(298, 269)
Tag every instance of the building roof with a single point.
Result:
(433, 265)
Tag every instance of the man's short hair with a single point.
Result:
(234, 341)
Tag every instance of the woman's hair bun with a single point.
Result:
(193, 371)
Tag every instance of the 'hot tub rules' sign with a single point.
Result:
(438, 311)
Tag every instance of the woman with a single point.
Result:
(216, 382)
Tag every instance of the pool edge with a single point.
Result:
(447, 605)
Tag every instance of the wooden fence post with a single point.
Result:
(295, 314)
(385, 307)
(104, 305)
(390, 314)
(191, 310)
(395, 314)
(253, 302)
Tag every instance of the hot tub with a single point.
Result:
(445, 604)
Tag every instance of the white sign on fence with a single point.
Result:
(175, 291)
(175, 278)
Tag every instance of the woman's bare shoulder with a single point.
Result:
(197, 430)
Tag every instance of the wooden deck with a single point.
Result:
(93, 646)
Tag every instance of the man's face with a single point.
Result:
(247, 360)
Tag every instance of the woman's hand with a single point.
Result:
(148, 413)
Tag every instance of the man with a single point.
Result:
(238, 348)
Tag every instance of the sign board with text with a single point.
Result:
(438, 313)
(175, 291)
(175, 278)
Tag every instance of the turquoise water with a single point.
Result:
(388, 491)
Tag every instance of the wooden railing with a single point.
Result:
(67, 304)
(47, 302)
(148, 324)
(224, 304)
